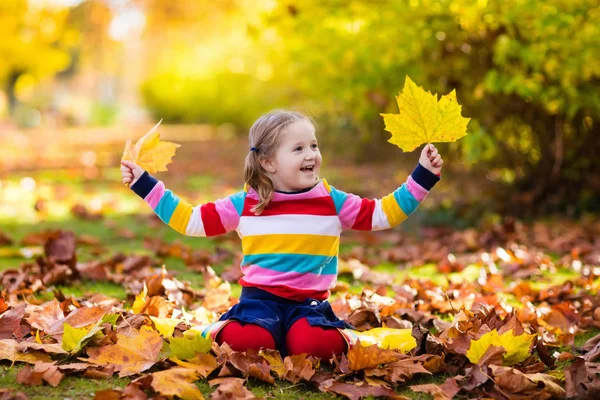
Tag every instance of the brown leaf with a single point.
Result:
(298, 367)
(274, 359)
(41, 371)
(44, 316)
(177, 382)
(109, 394)
(365, 357)
(60, 248)
(445, 391)
(9, 394)
(582, 380)
(8, 351)
(50, 348)
(403, 370)
(10, 323)
(513, 382)
(230, 388)
(250, 363)
(358, 391)
(129, 355)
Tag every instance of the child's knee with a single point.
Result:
(244, 337)
(314, 340)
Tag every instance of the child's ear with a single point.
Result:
(268, 165)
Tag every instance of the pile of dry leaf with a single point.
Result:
(465, 331)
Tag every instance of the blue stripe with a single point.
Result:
(338, 197)
(406, 200)
(144, 185)
(238, 201)
(424, 177)
(302, 263)
(166, 206)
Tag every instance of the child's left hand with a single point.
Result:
(431, 159)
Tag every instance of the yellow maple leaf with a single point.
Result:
(388, 338)
(423, 119)
(177, 382)
(517, 347)
(149, 152)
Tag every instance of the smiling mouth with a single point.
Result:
(309, 168)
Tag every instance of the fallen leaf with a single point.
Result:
(41, 371)
(518, 348)
(365, 357)
(230, 388)
(177, 382)
(129, 355)
(202, 363)
(186, 347)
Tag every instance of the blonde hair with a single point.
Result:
(265, 136)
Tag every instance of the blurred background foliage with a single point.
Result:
(525, 72)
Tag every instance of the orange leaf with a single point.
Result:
(129, 355)
(365, 357)
(177, 382)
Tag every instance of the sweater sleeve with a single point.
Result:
(377, 214)
(210, 219)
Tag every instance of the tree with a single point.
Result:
(34, 42)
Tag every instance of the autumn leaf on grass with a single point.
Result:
(40, 372)
(423, 119)
(149, 152)
(165, 326)
(130, 355)
(177, 382)
(388, 338)
(203, 364)
(186, 347)
(517, 347)
(8, 351)
(365, 357)
(74, 339)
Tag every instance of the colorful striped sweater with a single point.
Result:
(291, 249)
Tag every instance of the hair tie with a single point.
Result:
(254, 149)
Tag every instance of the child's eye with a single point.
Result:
(314, 146)
(298, 148)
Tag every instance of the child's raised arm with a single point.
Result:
(210, 219)
(378, 214)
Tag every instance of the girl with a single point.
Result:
(289, 221)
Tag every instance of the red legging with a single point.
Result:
(301, 338)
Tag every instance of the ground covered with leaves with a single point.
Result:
(510, 311)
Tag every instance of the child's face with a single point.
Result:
(297, 150)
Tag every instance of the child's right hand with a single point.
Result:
(130, 172)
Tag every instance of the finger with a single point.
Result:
(125, 169)
(128, 164)
(433, 154)
(438, 157)
(126, 180)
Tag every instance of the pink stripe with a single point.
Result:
(227, 213)
(317, 191)
(418, 191)
(350, 210)
(297, 280)
(155, 194)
